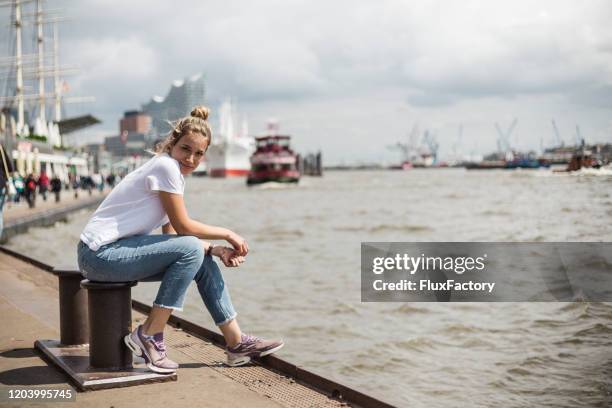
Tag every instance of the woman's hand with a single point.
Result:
(239, 243)
(229, 256)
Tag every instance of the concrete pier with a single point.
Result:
(29, 310)
(18, 217)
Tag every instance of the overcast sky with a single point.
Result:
(352, 77)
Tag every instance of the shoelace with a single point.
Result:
(160, 346)
(247, 339)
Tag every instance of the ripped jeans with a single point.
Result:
(173, 260)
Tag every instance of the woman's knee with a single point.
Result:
(211, 269)
(191, 246)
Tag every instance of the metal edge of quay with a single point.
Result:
(314, 381)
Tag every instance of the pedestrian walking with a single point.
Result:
(19, 186)
(43, 185)
(30, 190)
(56, 187)
(7, 188)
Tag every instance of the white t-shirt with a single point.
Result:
(133, 207)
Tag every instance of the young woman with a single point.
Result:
(116, 246)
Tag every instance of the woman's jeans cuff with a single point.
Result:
(175, 308)
(226, 321)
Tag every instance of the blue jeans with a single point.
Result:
(174, 260)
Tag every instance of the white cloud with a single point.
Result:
(437, 62)
(117, 59)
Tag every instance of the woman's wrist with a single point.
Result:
(209, 250)
(228, 235)
(217, 251)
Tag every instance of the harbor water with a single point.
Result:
(301, 282)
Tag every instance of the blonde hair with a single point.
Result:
(196, 123)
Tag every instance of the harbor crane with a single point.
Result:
(458, 144)
(432, 144)
(407, 150)
(579, 138)
(503, 141)
(558, 140)
(420, 151)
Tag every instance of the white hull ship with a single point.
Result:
(230, 151)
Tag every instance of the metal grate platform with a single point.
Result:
(280, 388)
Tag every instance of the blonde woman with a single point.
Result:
(116, 246)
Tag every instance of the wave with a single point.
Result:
(343, 309)
(272, 185)
(385, 228)
(407, 308)
(419, 344)
(602, 172)
(495, 212)
(276, 233)
(596, 330)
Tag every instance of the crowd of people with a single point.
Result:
(15, 188)
(32, 186)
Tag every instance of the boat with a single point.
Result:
(582, 158)
(510, 160)
(273, 160)
(229, 152)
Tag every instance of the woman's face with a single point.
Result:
(189, 151)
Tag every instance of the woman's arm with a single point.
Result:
(227, 255)
(177, 214)
(167, 229)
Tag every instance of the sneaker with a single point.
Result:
(152, 350)
(250, 347)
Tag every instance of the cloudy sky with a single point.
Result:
(353, 77)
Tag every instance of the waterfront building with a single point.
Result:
(134, 135)
(135, 121)
(181, 98)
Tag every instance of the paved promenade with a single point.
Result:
(29, 310)
(15, 211)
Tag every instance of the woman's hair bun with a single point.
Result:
(200, 112)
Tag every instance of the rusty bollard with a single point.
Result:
(74, 320)
(110, 319)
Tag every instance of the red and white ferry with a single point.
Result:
(273, 160)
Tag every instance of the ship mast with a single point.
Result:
(41, 55)
(56, 80)
(35, 68)
(19, 68)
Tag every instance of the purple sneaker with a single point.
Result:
(152, 350)
(249, 347)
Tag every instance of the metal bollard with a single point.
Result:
(110, 319)
(74, 320)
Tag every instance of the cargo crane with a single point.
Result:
(417, 153)
(503, 141)
(433, 146)
(558, 141)
(457, 147)
(579, 138)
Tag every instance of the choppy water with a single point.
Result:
(302, 282)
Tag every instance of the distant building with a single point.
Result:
(183, 95)
(99, 159)
(134, 136)
(135, 121)
(120, 146)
